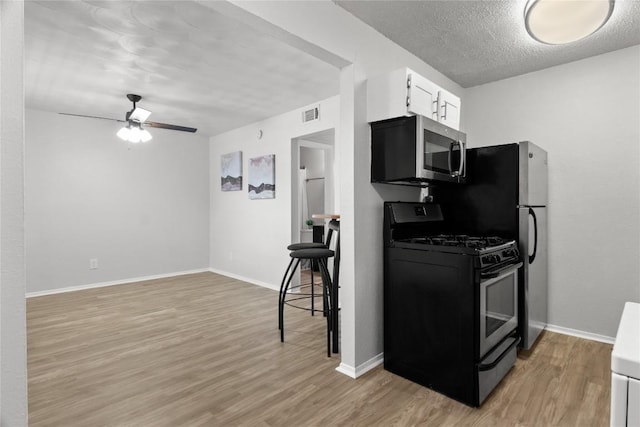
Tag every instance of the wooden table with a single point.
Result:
(325, 216)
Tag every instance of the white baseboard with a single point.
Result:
(112, 283)
(581, 334)
(361, 369)
(246, 279)
(355, 372)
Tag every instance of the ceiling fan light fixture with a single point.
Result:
(124, 133)
(565, 21)
(134, 133)
(145, 135)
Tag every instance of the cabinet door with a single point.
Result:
(619, 387)
(633, 402)
(422, 96)
(449, 109)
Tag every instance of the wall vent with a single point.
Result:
(311, 115)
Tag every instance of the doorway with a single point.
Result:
(313, 186)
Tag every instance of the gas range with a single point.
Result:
(450, 302)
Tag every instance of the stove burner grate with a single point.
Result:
(460, 240)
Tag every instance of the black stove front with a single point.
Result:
(450, 303)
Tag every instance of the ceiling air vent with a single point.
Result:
(311, 115)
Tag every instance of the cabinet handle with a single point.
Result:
(444, 110)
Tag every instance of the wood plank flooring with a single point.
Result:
(204, 350)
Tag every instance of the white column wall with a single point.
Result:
(13, 345)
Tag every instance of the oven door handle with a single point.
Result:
(503, 272)
(488, 366)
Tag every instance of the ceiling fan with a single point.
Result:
(134, 119)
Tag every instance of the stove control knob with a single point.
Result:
(512, 253)
(491, 259)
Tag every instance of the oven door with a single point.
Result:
(498, 305)
(440, 152)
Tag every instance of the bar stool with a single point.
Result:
(329, 300)
(334, 226)
(319, 255)
(307, 245)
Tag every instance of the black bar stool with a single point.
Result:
(308, 245)
(334, 227)
(330, 293)
(319, 255)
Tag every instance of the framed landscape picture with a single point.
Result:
(262, 177)
(231, 171)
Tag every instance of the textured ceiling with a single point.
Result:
(192, 65)
(476, 42)
(195, 66)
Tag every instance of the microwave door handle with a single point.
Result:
(535, 235)
(450, 157)
(462, 156)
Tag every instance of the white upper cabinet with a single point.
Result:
(422, 96)
(449, 109)
(404, 92)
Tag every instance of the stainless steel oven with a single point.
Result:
(498, 305)
(416, 149)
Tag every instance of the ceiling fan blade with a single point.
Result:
(172, 127)
(92, 117)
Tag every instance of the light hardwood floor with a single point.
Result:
(204, 350)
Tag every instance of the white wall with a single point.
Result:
(249, 238)
(586, 114)
(140, 209)
(13, 344)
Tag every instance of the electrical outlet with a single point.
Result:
(93, 264)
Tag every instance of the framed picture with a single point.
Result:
(262, 177)
(231, 171)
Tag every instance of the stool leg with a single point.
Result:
(326, 284)
(313, 297)
(284, 278)
(334, 294)
(284, 293)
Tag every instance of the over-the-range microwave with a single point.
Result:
(415, 150)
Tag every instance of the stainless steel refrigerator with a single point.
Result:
(506, 195)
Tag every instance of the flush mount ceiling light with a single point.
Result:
(565, 21)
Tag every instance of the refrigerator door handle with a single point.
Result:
(535, 235)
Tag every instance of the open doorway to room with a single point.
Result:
(313, 187)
